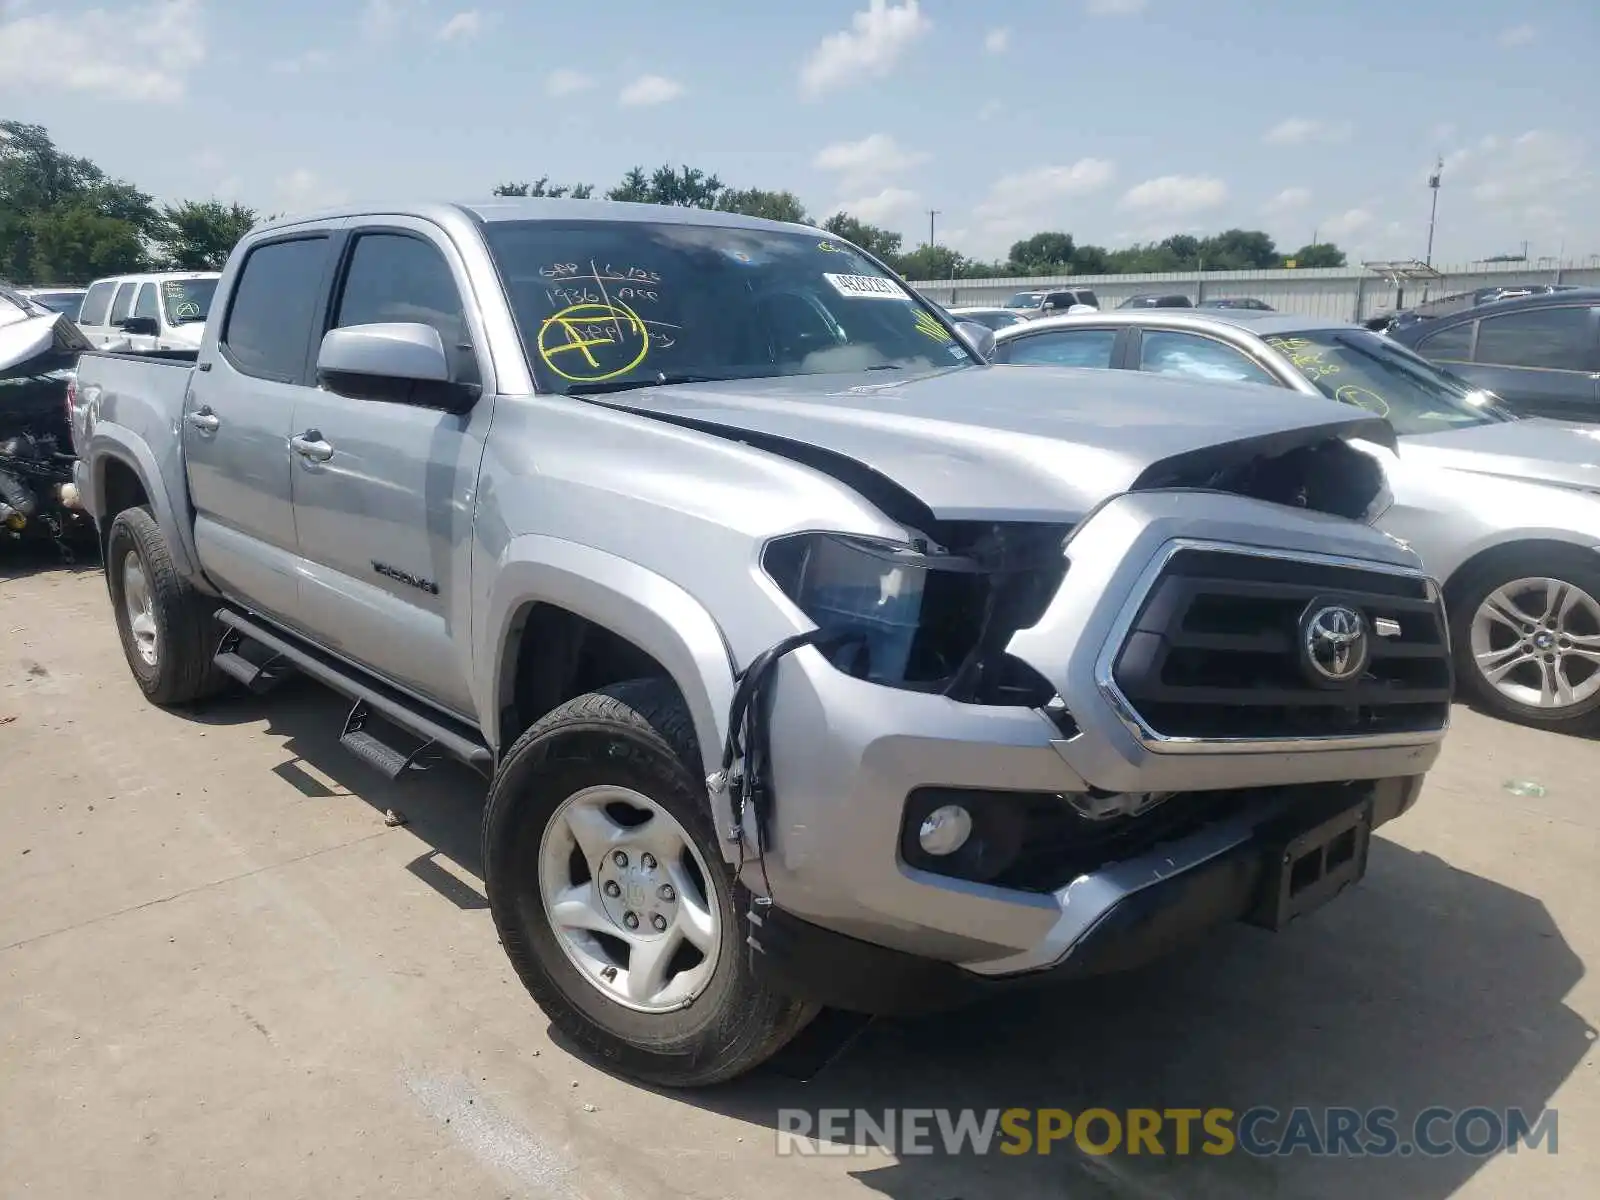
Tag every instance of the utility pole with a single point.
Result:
(1433, 216)
(932, 213)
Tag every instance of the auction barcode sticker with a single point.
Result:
(865, 287)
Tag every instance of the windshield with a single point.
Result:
(1371, 372)
(604, 305)
(1025, 300)
(61, 302)
(187, 300)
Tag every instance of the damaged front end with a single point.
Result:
(39, 352)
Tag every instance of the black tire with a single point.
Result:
(186, 628)
(1468, 595)
(637, 735)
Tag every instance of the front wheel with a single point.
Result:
(612, 898)
(1526, 633)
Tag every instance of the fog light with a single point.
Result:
(945, 830)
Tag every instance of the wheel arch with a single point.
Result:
(1506, 550)
(123, 473)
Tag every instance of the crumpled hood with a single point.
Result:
(1533, 449)
(1008, 442)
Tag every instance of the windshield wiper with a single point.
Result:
(660, 379)
(188, 320)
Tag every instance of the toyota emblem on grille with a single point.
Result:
(1334, 644)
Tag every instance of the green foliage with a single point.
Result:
(879, 242)
(77, 244)
(1042, 254)
(754, 202)
(542, 187)
(1318, 254)
(198, 235)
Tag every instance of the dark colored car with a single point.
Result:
(1237, 302)
(1157, 300)
(1540, 354)
(1459, 302)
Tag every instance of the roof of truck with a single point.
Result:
(516, 208)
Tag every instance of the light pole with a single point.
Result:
(932, 213)
(1433, 215)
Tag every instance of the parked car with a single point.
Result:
(1539, 354)
(162, 311)
(1449, 306)
(64, 300)
(1234, 302)
(747, 585)
(39, 349)
(1505, 512)
(1051, 302)
(1157, 300)
(990, 318)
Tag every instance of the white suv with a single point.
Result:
(162, 311)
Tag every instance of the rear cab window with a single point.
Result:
(96, 304)
(145, 305)
(606, 305)
(123, 304)
(274, 306)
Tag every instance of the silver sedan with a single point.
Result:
(1504, 511)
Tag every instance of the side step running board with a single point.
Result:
(232, 658)
(370, 699)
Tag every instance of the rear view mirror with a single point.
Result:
(142, 327)
(979, 337)
(361, 359)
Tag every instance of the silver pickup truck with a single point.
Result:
(814, 663)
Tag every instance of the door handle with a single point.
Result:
(204, 420)
(310, 445)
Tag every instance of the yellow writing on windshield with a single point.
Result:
(1363, 398)
(589, 343)
(927, 325)
(1306, 356)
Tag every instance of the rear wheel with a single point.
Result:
(611, 896)
(1526, 632)
(167, 628)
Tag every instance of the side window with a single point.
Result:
(121, 305)
(1064, 348)
(1560, 339)
(395, 277)
(1453, 343)
(273, 308)
(96, 304)
(145, 306)
(1166, 353)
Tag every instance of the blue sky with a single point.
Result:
(1117, 120)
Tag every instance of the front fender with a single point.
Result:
(116, 443)
(631, 601)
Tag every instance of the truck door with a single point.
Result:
(384, 485)
(237, 421)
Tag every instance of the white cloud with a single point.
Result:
(990, 110)
(302, 190)
(1297, 131)
(876, 39)
(1115, 8)
(141, 53)
(875, 157)
(1518, 35)
(567, 82)
(879, 207)
(649, 89)
(464, 26)
(1175, 195)
(311, 60)
(1025, 202)
(380, 18)
(1530, 169)
(1288, 200)
(997, 41)
(1346, 224)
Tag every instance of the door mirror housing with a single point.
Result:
(142, 327)
(404, 361)
(979, 337)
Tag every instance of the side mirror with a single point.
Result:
(979, 337)
(363, 358)
(142, 327)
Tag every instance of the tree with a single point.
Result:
(1042, 254)
(1318, 254)
(881, 243)
(1239, 250)
(543, 187)
(1090, 260)
(77, 244)
(754, 202)
(932, 262)
(198, 235)
(634, 188)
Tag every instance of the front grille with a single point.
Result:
(1215, 651)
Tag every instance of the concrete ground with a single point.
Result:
(222, 975)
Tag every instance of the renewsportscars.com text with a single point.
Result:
(1260, 1131)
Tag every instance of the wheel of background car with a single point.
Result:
(1526, 632)
(168, 630)
(612, 899)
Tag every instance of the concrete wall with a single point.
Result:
(1337, 293)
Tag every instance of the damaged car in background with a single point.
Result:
(39, 351)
